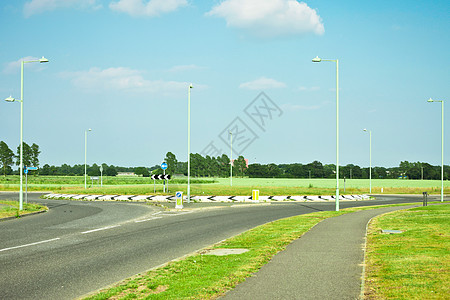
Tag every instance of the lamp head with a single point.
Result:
(316, 59)
(190, 86)
(10, 99)
(430, 100)
(43, 60)
(364, 129)
(89, 129)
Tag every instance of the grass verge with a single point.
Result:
(414, 264)
(202, 276)
(11, 208)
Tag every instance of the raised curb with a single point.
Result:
(24, 215)
(211, 199)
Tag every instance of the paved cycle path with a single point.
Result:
(325, 263)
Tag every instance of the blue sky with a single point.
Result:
(123, 68)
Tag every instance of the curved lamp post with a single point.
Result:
(316, 60)
(11, 99)
(442, 146)
(189, 145)
(85, 155)
(370, 159)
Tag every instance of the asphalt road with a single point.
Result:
(78, 247)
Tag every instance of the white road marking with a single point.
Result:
(32, 244)
(99, 229)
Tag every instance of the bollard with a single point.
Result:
(425, 199)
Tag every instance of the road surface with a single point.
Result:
(78, 247)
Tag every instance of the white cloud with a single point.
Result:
(123, 79)
(262, 83)
(184, 68)
(39, 6)
(147, 8)
(310, 89)
(14, 66)
(270, 18)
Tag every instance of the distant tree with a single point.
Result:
(171, 161)
(257, 171)
(94, 170)
(6, 158)
(35, 155)
(27, 155)
(224, 165)
(110, 171)
(142, 171)
(240, 166)
(316, 169)
(273, 171)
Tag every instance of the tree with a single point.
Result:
(35, 155)
(171, 161)
(273, 171)
(27, 155)
(141, 171)
(257, 171)
(111, 171)
(224, 165)
(94, 170)
(240, 165)
(6, 158)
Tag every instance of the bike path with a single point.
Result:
(325, 263)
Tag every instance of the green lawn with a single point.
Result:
(221, 186)
(414, 264)
(9, 208)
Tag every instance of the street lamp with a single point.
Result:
(231, 158)
(370, 158)
(85, 155)
(442, 146)
(317, 59)
(189, 145)
(11, 99)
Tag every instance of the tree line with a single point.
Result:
(220, 167)
(8, 158)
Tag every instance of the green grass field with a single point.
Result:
(221, 186)
(414, 264)
(9, 208)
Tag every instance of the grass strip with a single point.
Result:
(414, 264)
(206, 277)
(9, 208)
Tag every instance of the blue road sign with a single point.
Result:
(32, 168)
(164, 166)
(25, 171)
(178, 194)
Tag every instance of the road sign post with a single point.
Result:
(26, 184)
(164, 167)
(179, 200)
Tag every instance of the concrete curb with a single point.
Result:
(206, 199)
(23, 215)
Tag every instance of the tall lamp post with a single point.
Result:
(189, 145)
(442, 146)
(231, 158)
(317, 59)
(85, 155)
(370, 159)
(11, 99)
